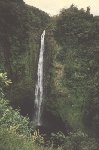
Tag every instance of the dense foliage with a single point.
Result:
(20, 29)
(77, 34)
(71, 73)
(14, 131)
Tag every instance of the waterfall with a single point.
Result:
(39, 85)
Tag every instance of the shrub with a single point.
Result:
(57, 139)
(14, 131)
(80, 141)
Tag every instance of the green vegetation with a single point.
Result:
(20, 30)
(75, 65)
(14, 131)
(71, 82)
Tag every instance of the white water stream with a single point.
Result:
(39, 85)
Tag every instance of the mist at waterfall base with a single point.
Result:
(43, 119)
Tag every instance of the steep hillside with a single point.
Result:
(20, 30)
(71, 61)
(75, 82)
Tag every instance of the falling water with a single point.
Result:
(39, 85)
